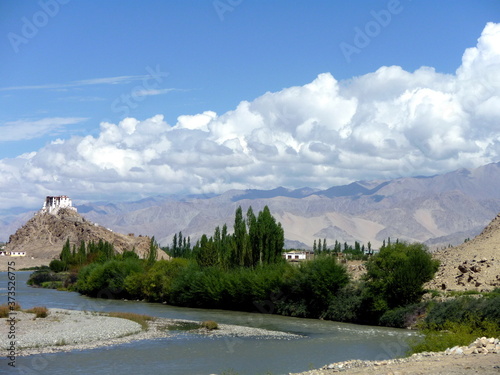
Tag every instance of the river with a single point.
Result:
(322, 342)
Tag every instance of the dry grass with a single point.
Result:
(5, 309)
(209, 324)
(138, 318)
(39, 311)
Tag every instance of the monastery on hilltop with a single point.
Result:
(52, 205)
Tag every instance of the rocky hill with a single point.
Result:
(44, 235)
(474, 265)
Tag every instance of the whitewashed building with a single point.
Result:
(295, 256)
(52, 205)
(17, 253)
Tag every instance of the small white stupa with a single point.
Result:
(52, 205)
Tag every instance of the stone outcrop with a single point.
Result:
(482, 345)
(474, 265)
(44, 235)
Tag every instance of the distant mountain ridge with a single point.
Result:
(438, 210)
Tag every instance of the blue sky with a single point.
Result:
(67, 66)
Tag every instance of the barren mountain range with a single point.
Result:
(438, 210)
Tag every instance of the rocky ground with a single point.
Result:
(480, 357)
(67, 330)
(474, 265)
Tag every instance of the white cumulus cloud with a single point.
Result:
(387, 123)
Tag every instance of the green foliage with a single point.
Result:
(256, 241)
(156, 284)
(236, 289)
(454, 333)
(66, 255)
(57, 265)
(396, 275)
(152, 253)
(107, 279)
(403, 317)
(461, 308)
(459, 321)
(346, 304)
(312, 289)
(43, 275)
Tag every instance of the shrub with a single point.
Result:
(345, 306)
(395, 277)
(209, 324)
(460, 309)
(156, 285)
(107, 279)
(311, 290)
(454, 333)
(5, 309)
(403, 317)
(39, 311)
(41, 276)
(57, 265)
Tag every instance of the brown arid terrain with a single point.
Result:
(474, 265)
(44, 235)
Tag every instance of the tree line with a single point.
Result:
(256, 240)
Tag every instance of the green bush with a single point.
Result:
(462, 308)
(311, 290)
(395, 276)
(403, 317)
(41, 276)
(451, 334)
(346, 305)
(156, 285)
(57, 265)
(107, 279)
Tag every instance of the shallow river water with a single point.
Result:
(322, 342)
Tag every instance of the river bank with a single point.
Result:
(67, 330)
(480, 357)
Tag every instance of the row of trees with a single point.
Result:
(245, 270)
(92, 252)
(357, 251)
(320, 288)
(256, 240)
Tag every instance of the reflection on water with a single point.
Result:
(323, 342)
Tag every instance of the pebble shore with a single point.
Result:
(480, 346)
(67, 330)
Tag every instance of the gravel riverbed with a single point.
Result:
(66, 330)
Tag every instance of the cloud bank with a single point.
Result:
(388, 123)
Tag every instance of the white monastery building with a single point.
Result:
(52, 205)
